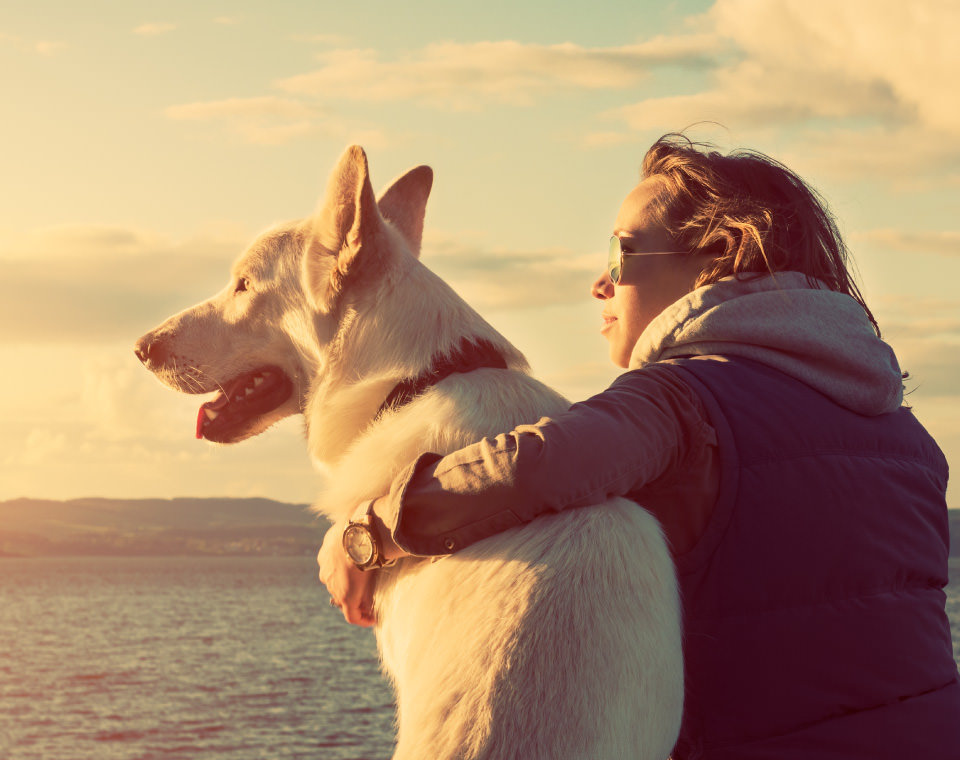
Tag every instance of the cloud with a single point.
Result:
(932, 373)
(99, 284)
(865, 68)
(908, 157)
(76, 242)
(89, 420)
(446, 76)
(925, 332)
(244, 108)
(93, 285)
(867, 82)
(498, 278)
(881, 60)
(466, 76)
(337, 40)
(940, 242)
(264, 120)
(916, 316)
(153, 30)
(40, 445)
(272, 120)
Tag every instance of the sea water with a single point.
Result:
(183, 657)
(192, 659)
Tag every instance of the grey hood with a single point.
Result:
(816, 335)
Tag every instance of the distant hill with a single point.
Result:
(151, 527)
(96, 527)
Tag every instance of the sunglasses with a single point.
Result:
(615, 255)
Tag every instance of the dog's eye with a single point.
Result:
(242, 285)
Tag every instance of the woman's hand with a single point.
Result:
(351, 589)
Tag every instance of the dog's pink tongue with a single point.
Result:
(214, 406)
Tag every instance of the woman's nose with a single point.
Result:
(602, 287)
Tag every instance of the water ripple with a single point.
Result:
(192, 658)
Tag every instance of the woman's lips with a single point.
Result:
(608, 321)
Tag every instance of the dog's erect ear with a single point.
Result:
(348, 216)
(404, 203)
(347, 222)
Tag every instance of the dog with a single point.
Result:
(558, 639)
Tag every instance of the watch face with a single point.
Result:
(358, 543)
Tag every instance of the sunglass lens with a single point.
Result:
(613, 259)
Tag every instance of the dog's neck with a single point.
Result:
(468, 356)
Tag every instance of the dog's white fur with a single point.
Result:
(560, 639)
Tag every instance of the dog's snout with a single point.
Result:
(150, 349)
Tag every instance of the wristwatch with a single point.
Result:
(361, 542)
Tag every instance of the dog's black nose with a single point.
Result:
(147, 349)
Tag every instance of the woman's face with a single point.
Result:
(648, 284)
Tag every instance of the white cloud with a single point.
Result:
(243, 108)
(40, 445)
(337, 40)
(75, 243)
(443, 75)
(154, 30)
(97, 284)
(942, 242)
(867, 58)
(264, 120)
(465, 76)
(925, 332)
(89, 420)
(271, 120)
(496, 278)
(873, 81)
(907, 157)
(923, 317)
(868, 82)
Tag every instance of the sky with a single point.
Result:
(143, 145)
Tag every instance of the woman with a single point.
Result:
(762, 423)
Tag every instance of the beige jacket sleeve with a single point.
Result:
(638, 433)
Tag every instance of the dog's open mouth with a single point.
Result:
(237, 407)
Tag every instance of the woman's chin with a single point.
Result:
(620, 354)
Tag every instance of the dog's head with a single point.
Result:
(261, 342)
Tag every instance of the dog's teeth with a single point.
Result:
(211, 414)
(257, 381)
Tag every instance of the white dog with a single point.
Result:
(560, 639)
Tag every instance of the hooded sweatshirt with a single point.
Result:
(786, 321)
(649, 435)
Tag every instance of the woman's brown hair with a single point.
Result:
(748, 211)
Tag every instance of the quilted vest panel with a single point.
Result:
(814, 620)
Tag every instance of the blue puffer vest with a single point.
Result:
(814, 606)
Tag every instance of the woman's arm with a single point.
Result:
(643, 431)
(639, 430)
